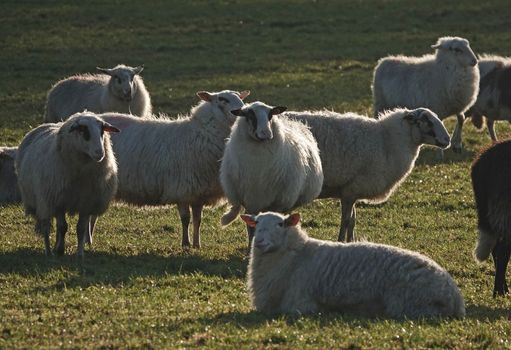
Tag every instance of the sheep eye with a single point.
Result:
(223, 99)
(457, 50)
(281, 224)
(85, 132)
(117, 80)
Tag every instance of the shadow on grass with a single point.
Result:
(114, 269)
(431, 156)
(485, 313)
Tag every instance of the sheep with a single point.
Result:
(9, 193)
(68, 167)
(367, 159)
(120, 89)
(494, 99)
(164, 161)
(490, 174)
(269, 163)
(290, 273)
(447, 82)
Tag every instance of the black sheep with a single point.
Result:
(491, 181)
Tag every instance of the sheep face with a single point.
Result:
(224, 101)
(431, 129)
(270, 230)
(122, 81)
(88, 132)
(258, 116)
(457, 50)
(8, 179)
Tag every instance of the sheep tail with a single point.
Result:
(485, 245)
(231, 215)
(478, 120)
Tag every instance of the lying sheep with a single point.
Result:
(494, 99)
(121, 89)
(269, 163)
(290, 273)
(366, 159)
(447, 82)
(9, 193)
(491, 172)
(164, 161)
(67, 167)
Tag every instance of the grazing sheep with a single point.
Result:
(491, 174)
(164, 161)
(289, 272)
(366, 159)
(447, 82)
(9, 193)
(67, 167)
(120, 89)
(494, 99)
(269, 163)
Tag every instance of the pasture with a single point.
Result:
(138, 288)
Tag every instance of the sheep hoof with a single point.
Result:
(196, 245)
(500, 291)
(457, 149)
(58, 251)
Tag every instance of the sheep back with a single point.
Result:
(164, 161)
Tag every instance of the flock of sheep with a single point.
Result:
(101, 142)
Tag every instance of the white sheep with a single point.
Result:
(366, 159)
(269, 163)
(9, 193)
(494, 99)
(447, 82)
(121, 89)
(290, 273)
(68, 167)
(164, 161)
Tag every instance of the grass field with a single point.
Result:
(138, 288)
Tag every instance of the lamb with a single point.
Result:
(494, 99)
(269, 163)
(120, 89)
(490, 173)
(164, 161)
(68, 167)
(366, 159)
(290, 273)
(447, 82)
(9, 193)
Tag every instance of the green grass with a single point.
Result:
(138, 288)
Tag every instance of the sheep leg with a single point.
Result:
(347, 215)
(82, 229)
(501, 254)
(184, 214)
(43, 227)
(196, 217)
(61, 234)
(456, 135)
(490, 124)
(92, 224)
(351, 226)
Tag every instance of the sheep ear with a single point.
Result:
(204, 96)
(237, 112)
(109, 128)
(292, 220)
(244, 94)
(105, 70)
(436, 46)
(278, 110)
(138, 69)
(410, 117)
(249, 220)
